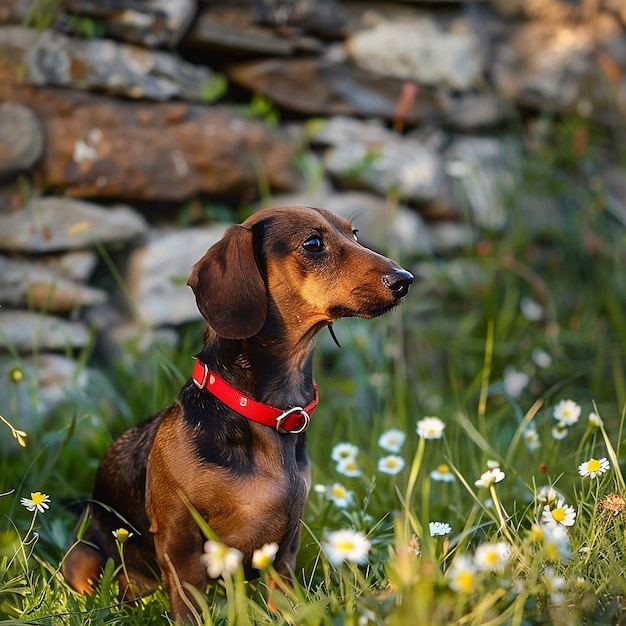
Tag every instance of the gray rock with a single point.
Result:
(37, 286)
(36, 386)
(563, 65)
(369, 156)
(151, 23)
(21, 138)
(165, 152)
(158, 272)
(421, 48)
(328, 86)
(53, 224)
(487, 174)
(26, 332)
(51, 58)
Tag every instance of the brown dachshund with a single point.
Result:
(265, 289)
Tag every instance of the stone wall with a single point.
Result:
(131, 133)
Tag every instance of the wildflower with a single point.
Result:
(594, 420)
(348, 467)
(548, 495)
(442, 472)
(319, 488)
(490, 477)
(122, 535)
(536, 533)
(556, 542)
(492, 556)
(341, 496)
(263, 557)
(514, 382)
(430, 428)
(613, 503)
(346, 545)
(566, 412)
(16, 374)
(594, 467)
(561, 514)
(541, 358)
(461, 574)
(37, 501)
(559, 432)
(392, 440)
(531, 437)
(344, 451)
(219, 559)
(391, 464)
(531, 310)
(439, 528)
(554, 585)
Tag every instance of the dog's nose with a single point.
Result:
(398, 282)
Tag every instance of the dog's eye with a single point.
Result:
(354, 232)
(313, 244)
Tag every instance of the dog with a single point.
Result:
(265, 290)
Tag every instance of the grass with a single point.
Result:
(539, 307)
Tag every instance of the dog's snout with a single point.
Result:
(398, 282)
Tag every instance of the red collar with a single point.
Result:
(294, 420)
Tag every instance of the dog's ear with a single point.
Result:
(230, 292)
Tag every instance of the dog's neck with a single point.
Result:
(272, 372)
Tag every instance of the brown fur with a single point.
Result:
(265, 290)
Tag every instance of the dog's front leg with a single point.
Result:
(179, 550)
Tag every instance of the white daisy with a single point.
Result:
(461, 574)
(594, 467)
(566, 412)
(558, 514)
(391, 464)
(559, 432)
(343, 451)
(514, 382)
(263, 557)
(348, 467)
(439, 528)
(346, 545)
(490, 477)
(122, 535)
(430, 428)
(341, 496)
(531, 437)
(492, 556)
(594, 420)
(37, 500)
(443, 473)
(392, 440)
(220, 560)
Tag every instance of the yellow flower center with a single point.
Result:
(558, 514)
(345, 546)
(593, 465)
(491, 558)
(37, 498)
(338, 491)
(391, 462)
(443, 469)
(465, 580)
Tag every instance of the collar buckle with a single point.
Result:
(283, 416)
(200, 374)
